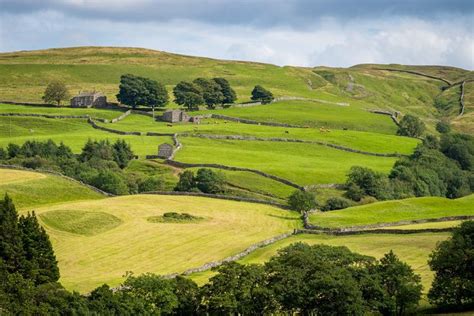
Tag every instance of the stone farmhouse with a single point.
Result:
(165, 151)
(89, 99)
(176, 116)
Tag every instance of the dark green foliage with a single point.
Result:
(302, 201)
(336, 203)
(229, 94)
(443, 127)
(3, 154)
(111, 182)
(459, 147)
(402, 286)
(12, 254)
(56, 92)
(188, 94)
(135, 90)
(122, 153)
(262, 95)
(238, 289)
(431, 142)
(453, 264)
(411, 126)
(186, 182)
(42, 264)
(209, 181)
(354, 192)
(369, 182)
(188, 296)
(13, 150)
(211, 92)
(150, 184)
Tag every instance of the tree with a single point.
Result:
(453, 264)
(56, 91)
(402, 286)
(122, 153)
(135, 90)
(209, 181)
(211, 92)
(186, 182)
(229, 94)
(43, 266)
(370, 182)
(410, 126)
(188, 94)
(12, 254)
(111, 182)
(302, 201)
(261, 94)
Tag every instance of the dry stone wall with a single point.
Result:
(111, 130)
(246, 121)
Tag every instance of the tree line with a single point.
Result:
(302, 279)
(100, 164)
(140, 91)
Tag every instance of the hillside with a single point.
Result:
(363, 87)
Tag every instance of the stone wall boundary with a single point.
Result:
(111, 130)
(372, 227)
(16, 167)
(247, 121)
(289, 140)
(50, 116)
(46, 105)
(377, 231)
(121, 117)
(218, 196)
(224, 167)
(416, 73)
(461, 99)
(393, 115)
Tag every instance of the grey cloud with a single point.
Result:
(258, 13)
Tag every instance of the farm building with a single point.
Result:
(175, 116)
(89, 99)
(165, 151)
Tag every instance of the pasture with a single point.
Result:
(73, 132)
(302, 163)
(394, 211)
(30, 190)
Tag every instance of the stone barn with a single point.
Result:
(165, 151)
(89, 99)
(175, 116)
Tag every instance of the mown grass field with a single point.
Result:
(73, 132)
(88, 260)
(393, 211)
(302, 163)
(31, 190)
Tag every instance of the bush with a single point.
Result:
(443, 127)
(208, 181)
(111, 182)
(261, 94)
(354, 192)
(302, 201)
(150, 184)
(336, 203)
(186, 182)
(411, 126)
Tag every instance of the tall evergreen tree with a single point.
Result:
(42, 263)
(12, 255)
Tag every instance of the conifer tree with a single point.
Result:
(11, 249)
(42, 264)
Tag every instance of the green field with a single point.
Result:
(394, 211)
(30, 190)
(73, 132)
(303, 163)
(366, 141)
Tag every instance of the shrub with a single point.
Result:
(411, 126)
(150, 184)
(336, 203)
(208, 181)
(302, 201)
(354, 192)
(443, 127)
(111, 182)
(186, 182)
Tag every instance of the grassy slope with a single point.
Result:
(302, 163)
(28, 189)
(393, 211)
(73, 132)
(140, 246)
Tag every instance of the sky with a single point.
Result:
(284, 32)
